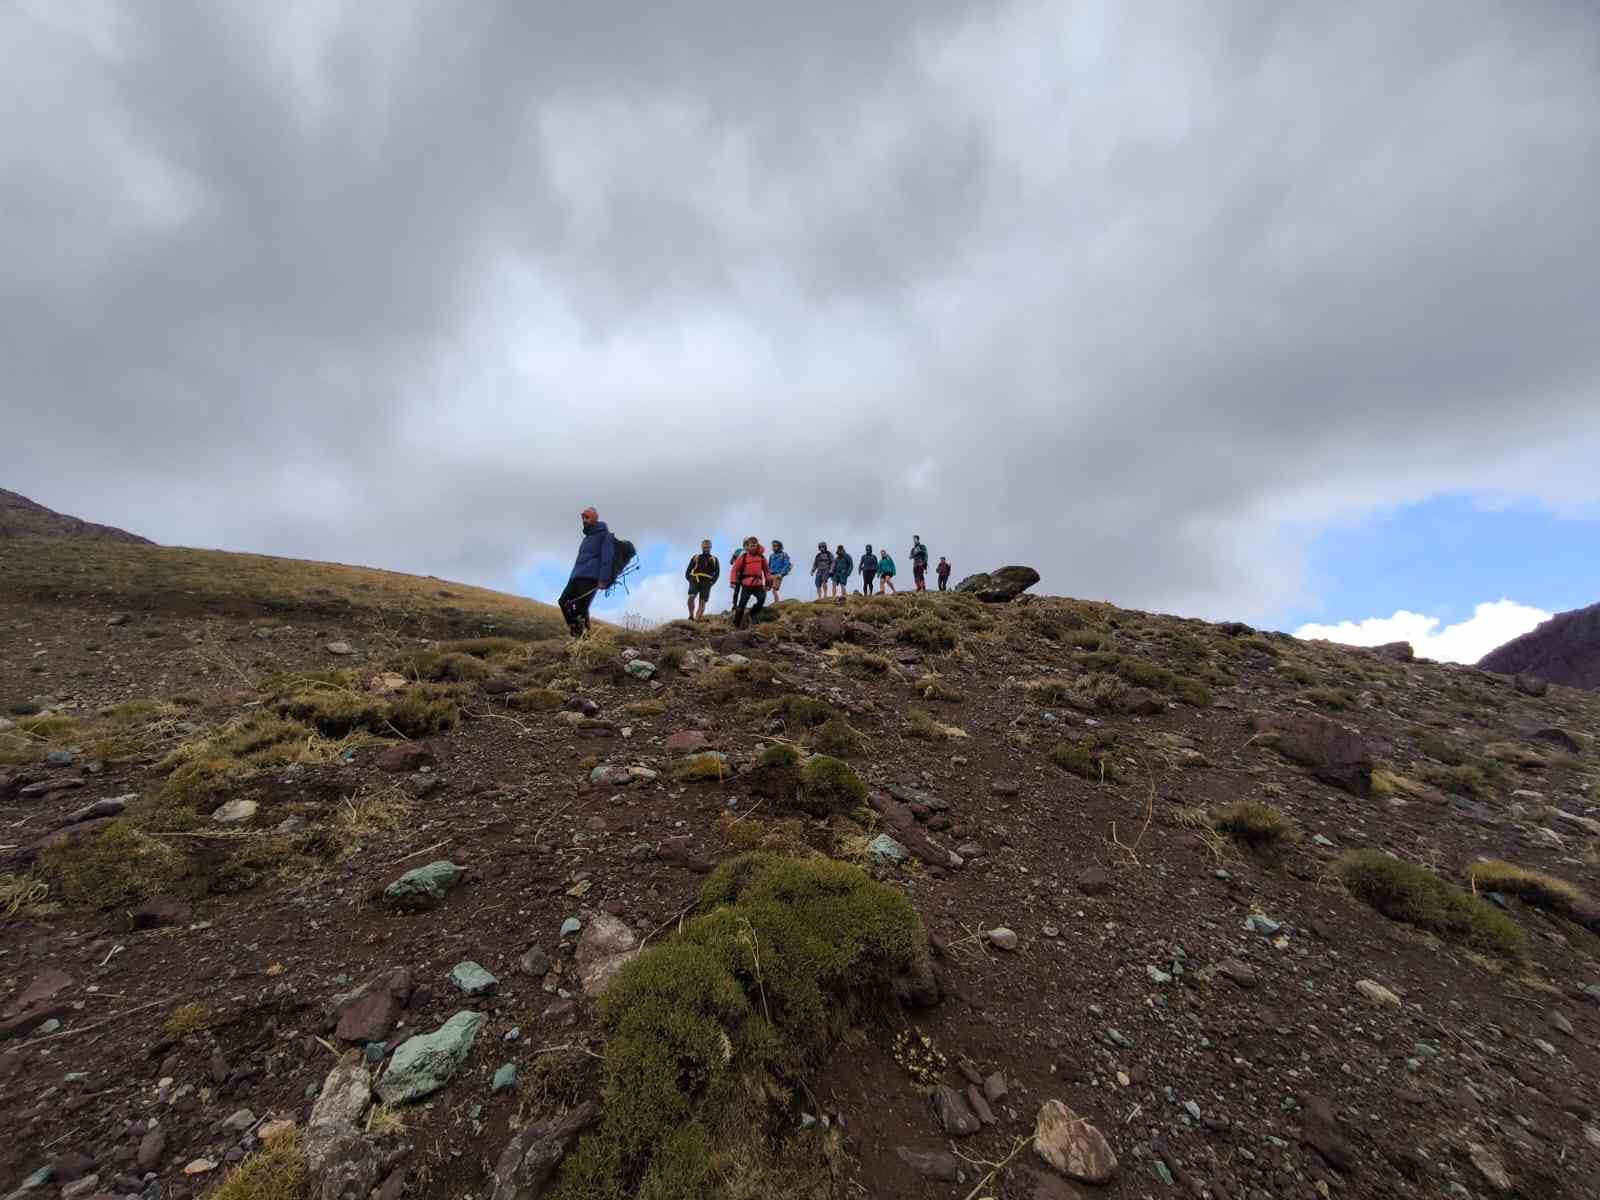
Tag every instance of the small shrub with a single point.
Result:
(277, 1171)
(334, 713)
(931, 687)
(1436, 747)
(721, 685)
(187, 1018)
(1089, 639)
(923, 725)
(1464, 781)
(118, 867)
(928, 632)
(645, 708)
(670, 659)
(425, 710)
(1337, 699)
(536, 699)
(1386, 782)
(1191, 691)
(434, 666)
(1088, 758)
(779, 754)
(1050, 692)
(828, 785)
(1533, 887)
(836, 737)
(1515, 755)
(1297, 672)
(861, 662)
(1256, 825)
(1405, 892)
(699, 768)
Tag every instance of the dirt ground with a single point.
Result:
(1195, 1000)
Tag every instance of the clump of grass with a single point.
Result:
(23, 894)
(838, 738)
(334, 712)
(482, 647)
(1405, 892)
(187, 1018)
(117, 867)
(921, 724)
(374, 812)
(536, 699)
(861, 662)
(1436, 747)
(645, 708)
(1337, 699)
(1297, 672)
(1256, 825)
(724, 684)
(931, 687)
(1190, 691)
(277, 1171)
(1050, 692)
(1387, 782)
(1533, 887)
(1515, 755)
(780, 755)
(1463, 780)
(1089, 758)
(828, 785)
(425, 710)
(1089, 639)
(698, 768)
(702, 1031)
(670, 659)
(928, 632)
(556, 1082)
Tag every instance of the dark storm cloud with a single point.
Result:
(1122, 290)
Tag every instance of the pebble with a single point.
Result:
(1377, 993)
(571, 927)
(1001, 938)
(239, 1121)
(1157, 975)
(1257, 923)
(504, 1079)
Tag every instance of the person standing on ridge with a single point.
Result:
(703, 571)
(944, 574)
(590, 572)
(778, 566)
(919, 562)
(869, 570)
(843, 565)
(886, 570)
(750, 577)
(822, 569)
(735, 556)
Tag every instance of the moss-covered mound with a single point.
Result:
(1406, 892)
(705, 1033)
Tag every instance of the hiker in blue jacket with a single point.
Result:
(843, 565)
(869, 569)
(778, 565)
(590, 573)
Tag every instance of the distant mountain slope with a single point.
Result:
(1565, 649)
(22, 518)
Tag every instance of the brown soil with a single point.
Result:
(1080, 1011)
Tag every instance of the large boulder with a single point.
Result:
(1332, 753)
(370, 1013)
(997, 587)
(528, 1163)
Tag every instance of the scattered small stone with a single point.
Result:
(340, 648)
(1489, 1166)
(424, 887)
(1094, 882)
(1157, 975)
(1001, 938)
(1377, 993)
(934, 1164)
(571, 927)
(238, 1121)
(473, 980)
(504, 1079)
(640, 669)
(424, 1064)
(534, 962)
(954, 1116)
(884, 849)
(1240, 973)
(1259, 923)
(234, 812)
(1071, 1145)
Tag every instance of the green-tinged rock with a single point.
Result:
(472, 979)
(424, 1064)
(884, 849)
(424, 887)
(504, 1079)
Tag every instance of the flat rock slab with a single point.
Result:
(424, 887)
(472, 979)
(425, 1063)
(1073, 1146)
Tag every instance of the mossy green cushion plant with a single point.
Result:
(828, 786)
(1406, 892)
(700, 1029)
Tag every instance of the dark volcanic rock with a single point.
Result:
(160, 911)
(997, 587)
(530, 1158)
(1333, 753)
(1565, 649)
(1320, 1131)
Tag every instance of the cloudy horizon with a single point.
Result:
(1272, 312)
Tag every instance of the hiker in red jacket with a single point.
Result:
(944, 573)
(750, 578)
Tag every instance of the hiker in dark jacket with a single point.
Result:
(869, 570)
(749, 574)
(778, 566)
(843, 565)
(703, 571)
(944, 573)
(735, 556)
(822, 569)
(590, 573)
(919, 563)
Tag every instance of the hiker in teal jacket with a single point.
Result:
(886, 571)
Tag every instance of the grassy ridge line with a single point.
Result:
(168, 577)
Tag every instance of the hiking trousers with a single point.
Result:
(575, 601)
(745, 593)
(920, 574)
(866, 582)
(944, 581)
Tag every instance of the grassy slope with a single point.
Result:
(170, 578)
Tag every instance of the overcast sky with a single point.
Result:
(1150, 295)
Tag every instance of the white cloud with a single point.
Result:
(1492, 624)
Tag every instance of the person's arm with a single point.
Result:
(608, 553)
(688, 572)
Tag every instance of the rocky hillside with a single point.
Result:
(1565, 649)
(913, 897)
(22, 518)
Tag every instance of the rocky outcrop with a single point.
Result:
(1332, 753)
(529, 1161)
(22, 518)
(998, 587)
(341, 1163)
(1565, 650)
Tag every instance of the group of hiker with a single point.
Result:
(752, 573)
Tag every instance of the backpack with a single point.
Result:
(622, 553)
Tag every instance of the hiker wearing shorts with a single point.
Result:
(843, 565)
(703, 571)
(592, 565)
(778, 566)
(822, 569)
(886, 572)
(919, 563)
(750, 575)
(869, 570)
(944, 574)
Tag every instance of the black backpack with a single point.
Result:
(622, 553)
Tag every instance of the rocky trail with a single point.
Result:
(283, 891)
